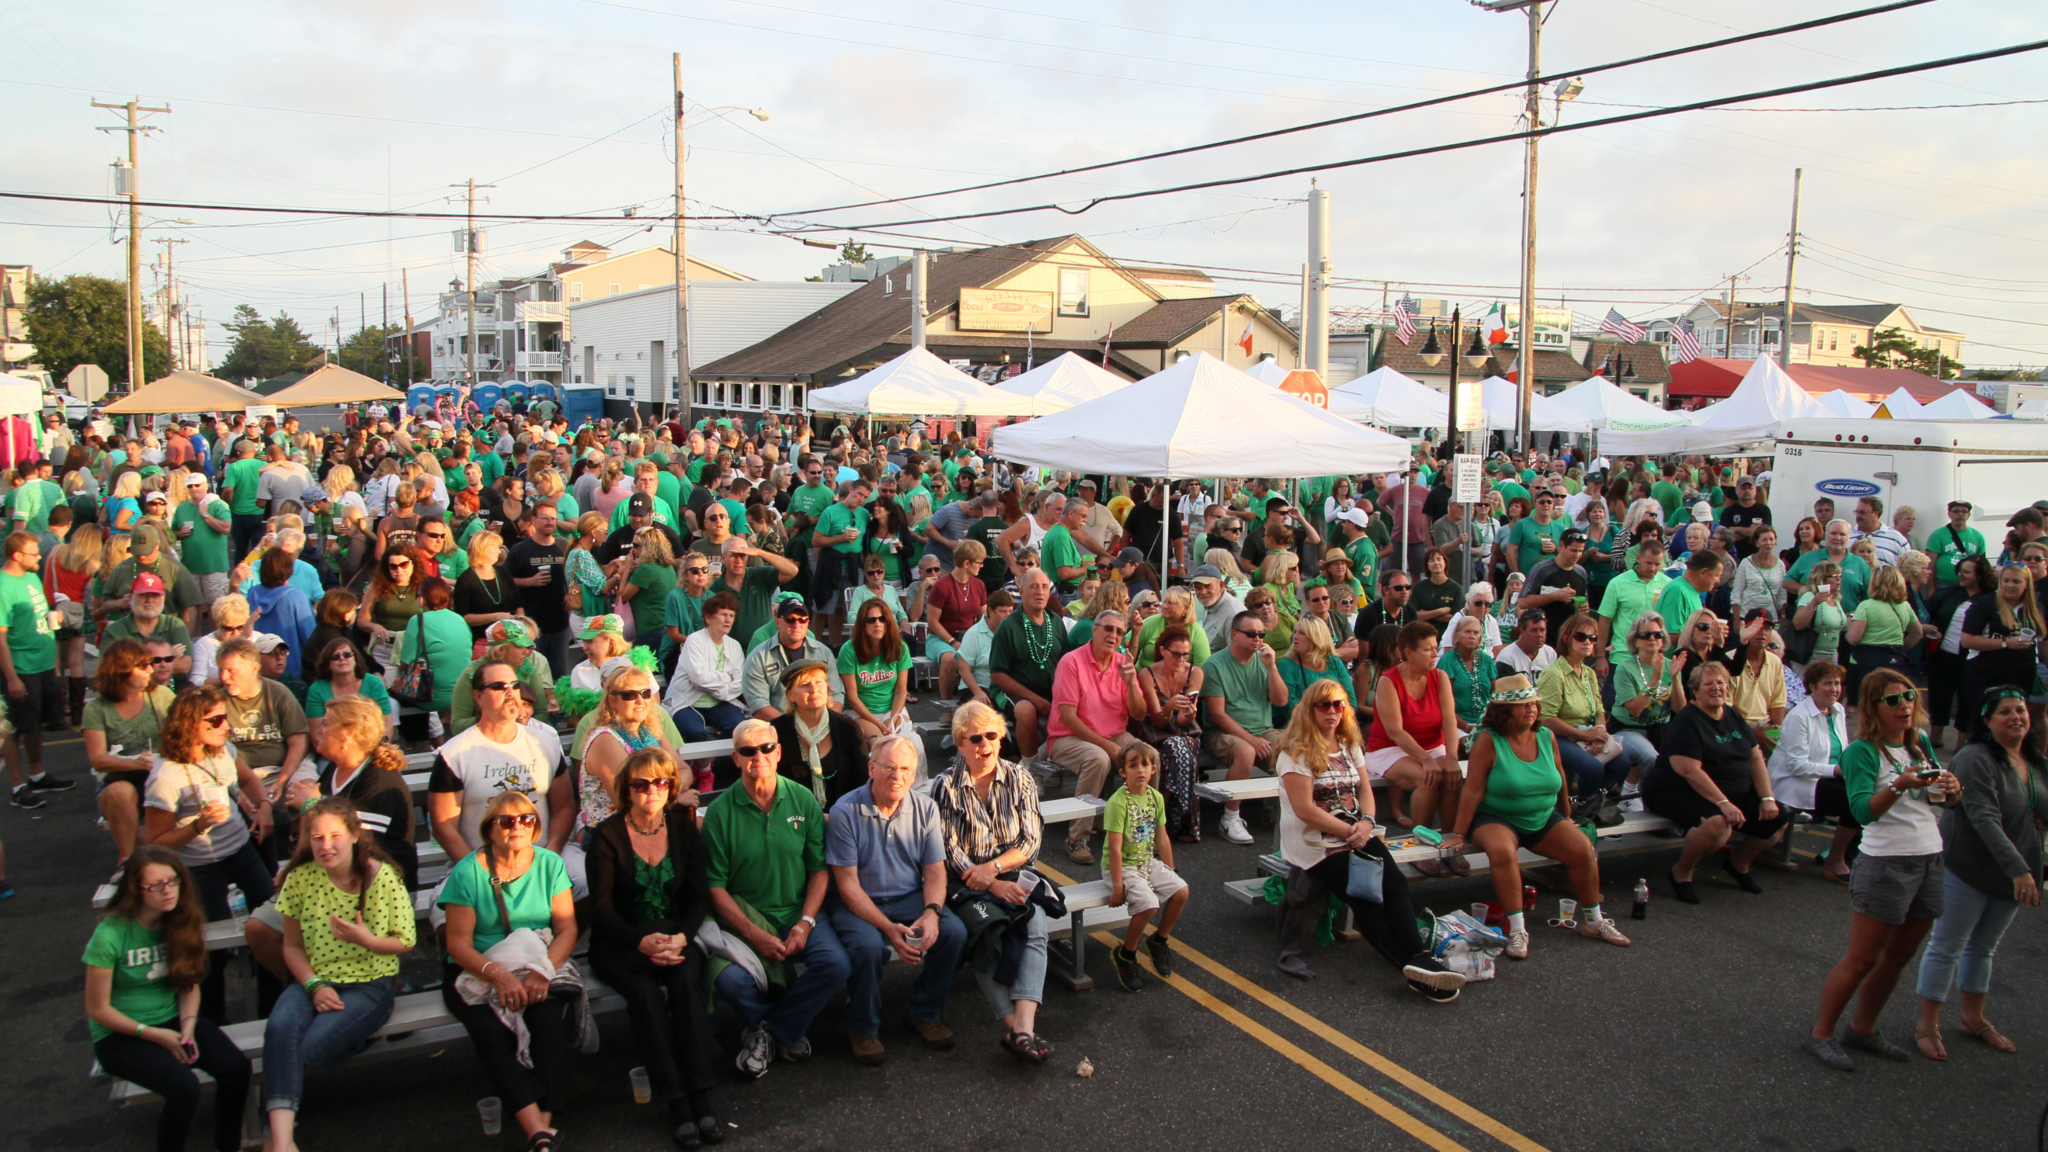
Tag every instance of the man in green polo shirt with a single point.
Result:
(1628, 596)
(1060, 554)
(764, 859)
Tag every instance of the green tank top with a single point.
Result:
(1523, 792)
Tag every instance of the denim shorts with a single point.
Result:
(1895, 889)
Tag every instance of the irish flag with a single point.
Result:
(1497, 325)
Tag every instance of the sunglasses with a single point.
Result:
(1397, 587)
(633, 693)
(696, 570)
(398, 566)
(1258, 635)
(643, 784)
(984, 737)
(220, 721)
(1649, 635)
(157, 660)
(523, 820)
(1894, 699)
(1704, 626)
(498, 686)
(1587, 637)
(755, 749)
(1330, 705)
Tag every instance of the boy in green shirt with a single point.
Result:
(1139, 864)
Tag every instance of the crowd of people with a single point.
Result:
(664, 673)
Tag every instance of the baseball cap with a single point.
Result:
(1703, 512)
(1756, 614)
(1746, 482)
(154, 498)
(1207, 572)
(1130, 556)
(639, 504)
(312, 494)
(266, 642)
(194, 480)
(147, 582)
(1356, 516)
(791, 609)
(1086, 483)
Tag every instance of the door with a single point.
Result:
(1846, 477)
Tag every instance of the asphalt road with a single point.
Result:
(1688, 1040)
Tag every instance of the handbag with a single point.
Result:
(1367, 878)
(1799, 642)
(414, 683)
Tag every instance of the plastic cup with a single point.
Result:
(1567, 909)
(491, 1111)
(1479, 911)
(642, 1090)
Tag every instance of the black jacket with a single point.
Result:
(611, 865)
(846, 766)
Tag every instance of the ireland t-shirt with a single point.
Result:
(141, 963)
(205, 551)
(243, 476)
(26, 615)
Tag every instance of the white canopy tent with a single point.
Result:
(1385, 398)
(1840, 403)
(1594, 405)
(1902, 405)
(1063, 382)
(1958, 405)
(918, 383)
(1502, 398)
(1765, 399)
(1268, 372)
(1200, 418)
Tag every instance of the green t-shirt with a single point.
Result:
(809, 499)
(491, 466)
(1947, 551)
(1629, 596)
(664, 513)
(1667, 495)
(1138, 820)
(319, 693)
(242, 476)
(1676, 604)
(26, 615)
(1630, 679)
(837, 519)
(765, 858)
(1884, 623)
(1523, 792)
(1365, 563)
(655, 582)
(32, 502)
(1243, 688)
(1610, 543)
(669, 487)
(1527, 537)
(310, 897)
(1471, 690)
(1855, 575)
(1508, 490)
(1827, 624)
(141, 963)
(756, 595)
(530, 899)
(876, 678)
(205, 550)
(1058, 550)
(135, 736)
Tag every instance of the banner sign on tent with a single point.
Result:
(1466, 479)
(1306, 384)
(261, 411)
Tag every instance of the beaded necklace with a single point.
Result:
(1038, 653)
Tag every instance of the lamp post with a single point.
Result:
(1465, 417)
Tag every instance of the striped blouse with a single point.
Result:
(979, 830)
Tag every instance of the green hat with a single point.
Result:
(149, 470)
(509, 632)
(599, 625)
(1514, 689)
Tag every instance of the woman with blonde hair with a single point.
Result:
(381, 492)
(1883, 627)
(1234, 579)
(1110, 596)
(548, 483)
(1310, 658)
(2002, 633)
(230, 615)
(1820, 608)
(1326, 821)
(70, 572)
(1280, 574)
(485, 595)
(585, 577)
(627, 722)
(124, 505)
(645, 585)
(612, 487)
(1178, 609)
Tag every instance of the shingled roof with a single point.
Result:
(1645, 359)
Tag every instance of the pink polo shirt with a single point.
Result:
(1097, 695)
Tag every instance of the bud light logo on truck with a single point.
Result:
(1847, 489)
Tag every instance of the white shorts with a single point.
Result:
(1377, 763)
(1145, 889)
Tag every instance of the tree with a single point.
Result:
(84, 320)
(369, 352)
(855, 253)
(264, 348)
(1891, 348)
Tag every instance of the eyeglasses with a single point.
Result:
(633, 693)
(498, 686)
(755, 749)
(1904, 696)
(1397, 587)
(1585, 637)
(1649, 635)
(344, 654)
(1330, 705)
(984, 737)
(158, 660)
(164, 888)
(1181, 653)
(1258, 635)
(643, 784)
(220, 721)
(523, 820)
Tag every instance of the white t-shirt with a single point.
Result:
(183, 789)
(1512, 657)
(1911, 826)
(479, 768)
(1335, 791)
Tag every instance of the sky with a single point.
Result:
(564, 108)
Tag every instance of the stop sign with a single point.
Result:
(1307, 384)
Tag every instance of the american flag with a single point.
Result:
(1685, 340)
(1620, 326)
(1404, 320)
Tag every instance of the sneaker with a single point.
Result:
(1077, 851)
(1432, 974)
(1437, 995)
(1128, 974)
(1518, 944)
(6, 890)
(25, 797)
(49, 783)
(1829, 1051)
(1604, 930)
(1161, 950)
(797, 1054)
(1234, 829)
(756, 1049)
(1875, 1044)
(867, 1050)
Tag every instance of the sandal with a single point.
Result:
(1432, 868)
(542, 1141)
(1459, 865)
(1928, 1040)
(1841, 878)
(1991, 1037)
(1024, 1046)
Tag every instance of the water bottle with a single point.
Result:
(1641, 909)
(238, 904)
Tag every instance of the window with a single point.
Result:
(611, 290)
(1834, 340)
(753, 395)
(775, 396)
(1073, 291)
(629, 387)
(611, 385)
(575, 291)
(643, 287)
(703, 397)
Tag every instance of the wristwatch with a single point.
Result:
(934, 909)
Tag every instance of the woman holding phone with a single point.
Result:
(1896, 790)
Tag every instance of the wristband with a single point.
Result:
(812, 921)
(312, 984)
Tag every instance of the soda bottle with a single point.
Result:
(1641, 910)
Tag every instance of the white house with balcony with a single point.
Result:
(1822, 334)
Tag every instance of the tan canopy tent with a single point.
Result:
(332, 384)
(185, 392)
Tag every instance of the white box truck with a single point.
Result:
(2000, 466)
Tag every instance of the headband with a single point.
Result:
(1993, 698)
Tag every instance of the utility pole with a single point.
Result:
(1315, 316)
(469, 245)
(1791, 275)
(172, 307)
(384, 325)
(405, 306)
(1525, 352)
(362, 325)
(682, 268)
(917, 299)
(132, 179)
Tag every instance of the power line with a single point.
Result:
(1410, 107)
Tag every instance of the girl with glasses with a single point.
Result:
(335, 675)
(143, 970)
(876, 664)
(648, 898)
(392, 600)
(1896, 791)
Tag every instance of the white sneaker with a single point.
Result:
(1518, 944)
(1604, 930)
(1234, 829)
(756, 1050)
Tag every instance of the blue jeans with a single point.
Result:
(1962, 941)
(1587, 773)
(296, 1037)
(1030, 983)
(1635, 746)
(244, 530)
(790, 1016)
(695, 724)
(867, 950)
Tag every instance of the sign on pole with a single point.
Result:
(1306, 384)
(1465, 479)
(88, 382)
